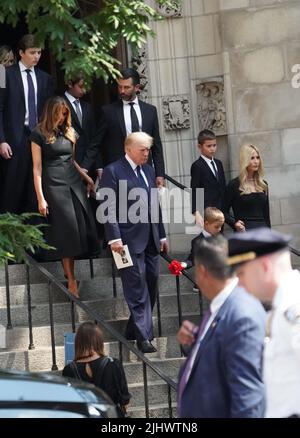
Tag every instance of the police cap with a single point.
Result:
(243, 247)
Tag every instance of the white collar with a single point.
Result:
(206, 233)
(208, 160)
(131, 162)
(71, 98)
(286, 286)
(222, 296)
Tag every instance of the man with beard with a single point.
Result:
(119, 119)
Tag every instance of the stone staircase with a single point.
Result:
(97, 294)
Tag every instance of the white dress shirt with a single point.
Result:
(127, 116)
(23, 69)
(73, 99)
(209, 162)
(214, 307)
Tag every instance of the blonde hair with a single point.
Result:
(138, 138)
(246, 152)
(50, 117)
(213, 214)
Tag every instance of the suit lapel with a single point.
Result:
(120, 117)
(130, 172)
(19, 82)
(74, 118)
(143, 108)
(204, 163)
(215, 323)
(38, 76)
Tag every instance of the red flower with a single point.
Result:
(175, 267)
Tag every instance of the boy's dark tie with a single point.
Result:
(215, 169)
(32, 120)
(78, 111)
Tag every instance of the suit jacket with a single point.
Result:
(190, 260)
(111, 133)
(119, 226)
(226, 378)
(12, 103)
(214, 189)
(86, 131)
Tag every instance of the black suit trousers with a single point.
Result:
(17, 189)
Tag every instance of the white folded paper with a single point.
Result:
(123, 260)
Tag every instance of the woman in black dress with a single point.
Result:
(91, 365)
(62, 197)
(247, 195)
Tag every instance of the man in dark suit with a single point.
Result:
(222, 376)
(207, 173)
(121, 118)
(134, 219)
(21, 104)
(81, 114)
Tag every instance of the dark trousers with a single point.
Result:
(140, 290)
(17, 189)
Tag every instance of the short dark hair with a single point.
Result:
(212, 253)
(204, 135)
(27, 42)
(75, 79)
(128, 73)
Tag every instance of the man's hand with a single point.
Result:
(164, 247)
(160, 181)
(239, 226)
(117, 246)
(5, 151)
(185, 334)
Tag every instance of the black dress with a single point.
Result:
(71, 227)
(111, 379)
(253, 208)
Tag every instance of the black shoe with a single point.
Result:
(146, 346)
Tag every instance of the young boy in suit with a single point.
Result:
(213, 223)
(207, 173)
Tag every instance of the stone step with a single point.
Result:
(102, 267)
(96, 288)
(106, 308)
(17, 337)
(155, 411)
(40, 359)
(17, 272)
(157, 393)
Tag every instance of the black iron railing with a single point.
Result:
(93, 315)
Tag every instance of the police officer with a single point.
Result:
(264, 268)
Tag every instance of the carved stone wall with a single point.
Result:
(166, 11)
(176, 112)
(211, 105)
(139, 62)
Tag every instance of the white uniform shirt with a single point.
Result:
(282, 350)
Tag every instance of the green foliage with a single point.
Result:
(82, 34)
(17, 236)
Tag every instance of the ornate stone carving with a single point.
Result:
(139, 62)
(211, 105)
(176, 112)
(168, 12)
